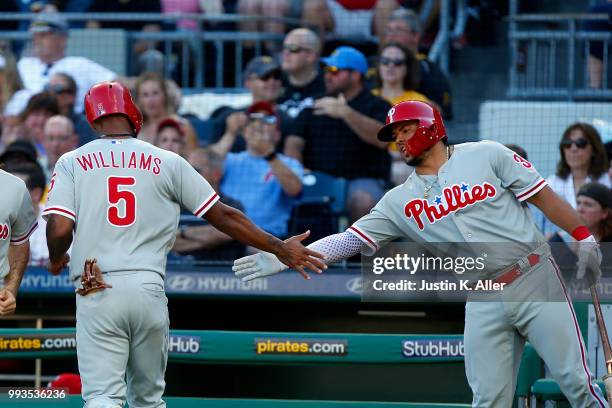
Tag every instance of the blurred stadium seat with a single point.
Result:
(322, 206)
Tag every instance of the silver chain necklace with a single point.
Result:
(427, 188)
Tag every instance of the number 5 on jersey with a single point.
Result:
(119, 198)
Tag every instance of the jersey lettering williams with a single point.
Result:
(456, 197)
(4, 232)
(119, 160)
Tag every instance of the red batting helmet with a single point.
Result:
(430, 125)
(110, 98)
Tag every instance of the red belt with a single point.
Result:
(515, 271)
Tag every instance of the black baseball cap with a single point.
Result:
(17, 149)
(261, 66)
(598, 192)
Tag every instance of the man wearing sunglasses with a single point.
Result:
(64, 87)
(404, 27)
(338, 136)
(49, 39)
(303, 81)
(262, 77)
(266, 182)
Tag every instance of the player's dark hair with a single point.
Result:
(413, 73)
(518, 150)
(35, 178)
(43, 101)
(599, 160)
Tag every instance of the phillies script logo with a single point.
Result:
(4, 231)
(456, 197)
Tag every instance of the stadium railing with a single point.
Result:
(193, 49)
(549, 54)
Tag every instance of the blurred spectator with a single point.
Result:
(191, 7)
(595, 63)
(10, 81)
(128, 6)
(20, 151)
(583, 160)
(266, 182)
(12, 130)
(398, 76)
(125, 6)
(40, 107)
(356, 19)
(594, 203)
(262, 77)
(151, 61)
(594, 209)
(64, 87)
(205, 242)
(338, 136)
(32, 174)
(49, 36)
(303, 81)
(59, 138)
(154, 101)
(268, 11)
(404, 28)
(184, 7)
(170, 136)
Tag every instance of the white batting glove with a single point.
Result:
(257, 266)
(589, 260)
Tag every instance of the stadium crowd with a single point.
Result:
(303, 103)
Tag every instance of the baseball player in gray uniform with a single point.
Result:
(473, 193)
(120, 198)
(17, 222)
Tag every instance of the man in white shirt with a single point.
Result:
(49, 35)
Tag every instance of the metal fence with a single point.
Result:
(551, 57)
(210, 57)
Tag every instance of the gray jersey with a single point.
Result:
(17, 217)
(124, 196)
(476, 198)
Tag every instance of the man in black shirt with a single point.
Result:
(338, 134)
(302, 79)
(262, 77)
(404, 28)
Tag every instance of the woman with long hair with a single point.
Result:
(398, 75)
(153, 99)
(583, 160)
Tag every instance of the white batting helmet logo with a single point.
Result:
(391, 112)
(101, 110)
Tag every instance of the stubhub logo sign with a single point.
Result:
(433, 348)
(184, 344)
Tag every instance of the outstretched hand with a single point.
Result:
(292, 254)
(297, 256)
